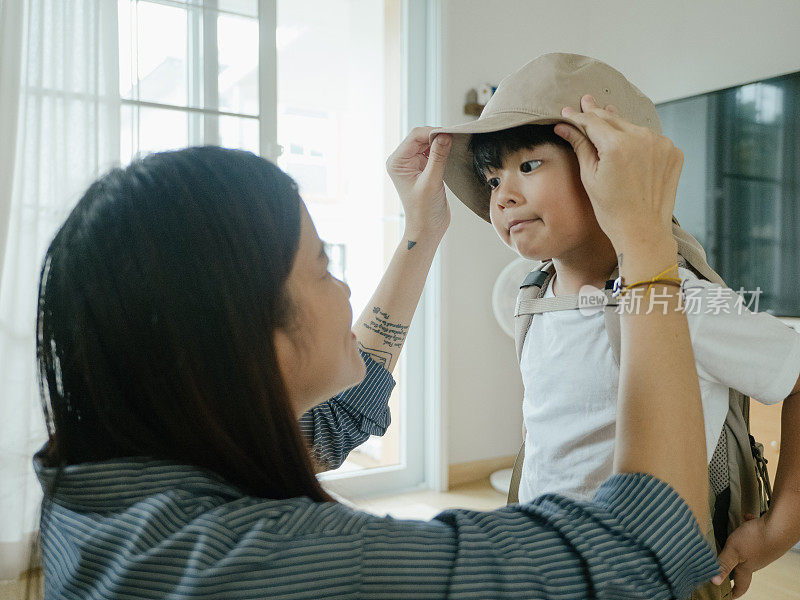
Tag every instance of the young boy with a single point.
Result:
(512, 169)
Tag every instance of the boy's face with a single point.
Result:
(538, 205)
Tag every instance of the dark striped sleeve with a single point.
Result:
(638, 540)
(337, 426)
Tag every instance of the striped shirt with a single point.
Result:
(133, 528)
(344, 422)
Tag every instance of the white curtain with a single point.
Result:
(67, 132)
(10, 50)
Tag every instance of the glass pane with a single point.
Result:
(339, 107)
(757, 131)
(153, 62)
(243, 7)
(146, 130)
(237, 39)
(311, 153)
(162, 129)
(239, 132)
(751, 243)
(248, 8)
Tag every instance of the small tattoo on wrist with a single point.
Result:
(411, 244)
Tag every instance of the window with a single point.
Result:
(327, 102)
(188, 74)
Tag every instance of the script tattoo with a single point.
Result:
(393, 334)
(411, 244)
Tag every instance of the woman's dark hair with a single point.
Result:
(490, 149)
(158, 300)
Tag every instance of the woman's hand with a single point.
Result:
(416, 169)
(630, 174)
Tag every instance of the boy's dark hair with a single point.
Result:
(490, 149)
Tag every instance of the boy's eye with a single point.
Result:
(529, 165)
(493, 182)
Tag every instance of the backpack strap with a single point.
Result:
(757, 450)
(534, 286)
(693, 255)
(516, 476)
(531, 301)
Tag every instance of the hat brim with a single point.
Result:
(459, 173)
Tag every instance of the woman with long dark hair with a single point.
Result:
(193, 349)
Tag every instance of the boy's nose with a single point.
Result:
(507, 195)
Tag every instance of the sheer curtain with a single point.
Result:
(67, 133)
(10, 47)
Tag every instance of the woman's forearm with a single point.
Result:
(382, 327)
(660, 427)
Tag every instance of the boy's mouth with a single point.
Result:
(518, 224)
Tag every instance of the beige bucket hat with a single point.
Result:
(535, 95)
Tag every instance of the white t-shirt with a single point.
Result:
(571, 381)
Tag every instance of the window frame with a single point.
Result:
(422, 443)
(422, 440)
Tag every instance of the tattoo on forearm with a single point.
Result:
(381, 357)
(393, 334)
(411, 244)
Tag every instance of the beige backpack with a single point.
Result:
(739, 483)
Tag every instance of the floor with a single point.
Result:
(778, 581)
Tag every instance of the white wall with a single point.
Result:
(669, 49)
